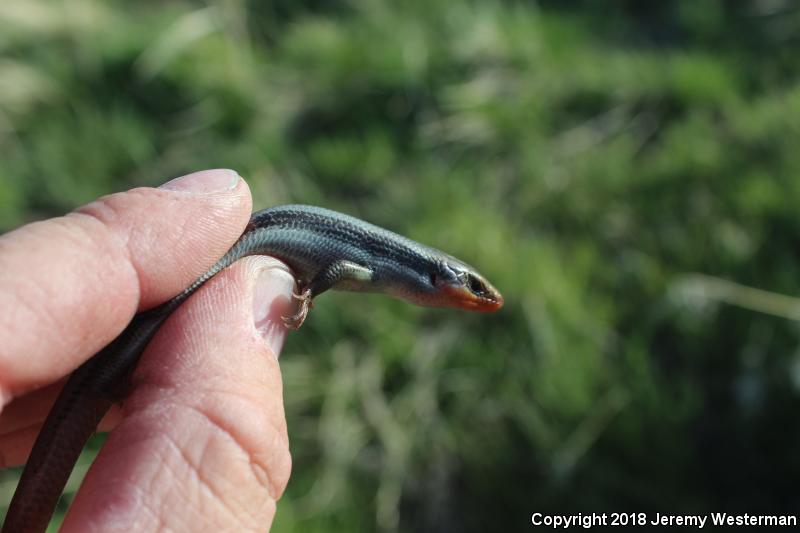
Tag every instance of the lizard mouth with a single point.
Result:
(486, 300)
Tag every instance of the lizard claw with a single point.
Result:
(304, 304)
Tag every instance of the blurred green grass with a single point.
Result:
(587, 157)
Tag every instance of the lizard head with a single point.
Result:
(457, 284)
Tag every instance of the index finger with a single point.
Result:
(69, 285)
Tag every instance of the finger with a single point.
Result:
(69, 285)
(203, 443)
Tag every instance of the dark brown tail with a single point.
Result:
(70, 424)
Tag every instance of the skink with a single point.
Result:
(323, 248)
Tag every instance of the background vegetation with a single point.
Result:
(609, 165)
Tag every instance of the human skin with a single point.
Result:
(200, 443)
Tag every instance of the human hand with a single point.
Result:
(201, 442)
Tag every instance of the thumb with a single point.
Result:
(203, 442)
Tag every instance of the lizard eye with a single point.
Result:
(433, 278)
(476, 286)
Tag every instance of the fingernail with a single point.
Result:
(205, 181)
(272, 290)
